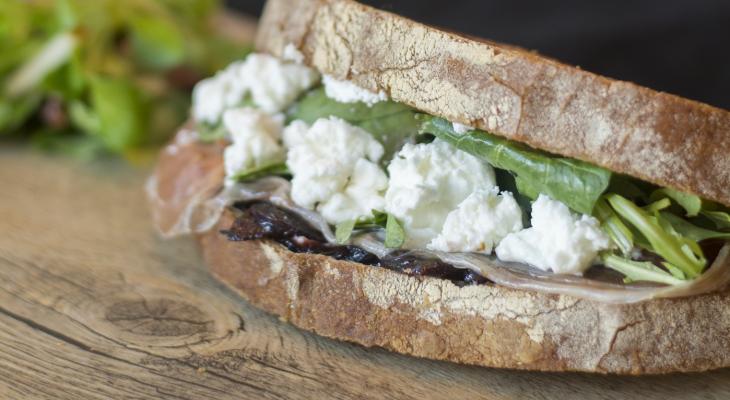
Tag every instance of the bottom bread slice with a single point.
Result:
(483, 325)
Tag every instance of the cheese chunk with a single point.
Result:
(558, 240)
(427, 182)
(273, 84)
(334, 167)
(479, 222)
(348, 92)
(256, 139)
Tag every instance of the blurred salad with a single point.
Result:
(86, 77)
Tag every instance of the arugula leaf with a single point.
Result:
(278, 168)
(721, 219)
(122, 116)
(395, 236)
(692, 204)
(682, 252)
(658, 205)
(639, 270)
(343, 231)
(691, 231)
(575, 183)
(619, 233)
(389, 122)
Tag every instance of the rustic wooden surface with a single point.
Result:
(94, 305)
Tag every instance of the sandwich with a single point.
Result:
(378, 181)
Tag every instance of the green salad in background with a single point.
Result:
(86, 77)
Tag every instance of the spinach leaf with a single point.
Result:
(389, 122)
(278, 168)
(575, 183)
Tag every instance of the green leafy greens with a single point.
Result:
(278, 168)
(395, 236)
(680, 252)
(119, 72)
(639, 270)
(575, 183)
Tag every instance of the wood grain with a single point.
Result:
(94, 305)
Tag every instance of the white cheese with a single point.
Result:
(557, 241)
(334, 167)
(214, 95)
(363, 193)
(348, 92)
(272, 83)
(256, 139)
(291, 53)
(427, 182)
(479, 222)
(461, 128)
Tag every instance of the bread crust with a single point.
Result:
(483, 325)
(657, 137)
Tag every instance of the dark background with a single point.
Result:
(677, 46)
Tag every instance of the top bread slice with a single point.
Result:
(654, 136)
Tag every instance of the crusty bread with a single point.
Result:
(483, 325)
(653, 136)
(520, 95)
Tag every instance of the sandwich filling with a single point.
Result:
(321, 165)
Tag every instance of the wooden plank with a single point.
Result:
(94, 305)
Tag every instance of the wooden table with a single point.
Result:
(94, 305)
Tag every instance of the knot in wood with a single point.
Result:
(158, 317)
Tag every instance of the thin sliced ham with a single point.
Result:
(187, 178)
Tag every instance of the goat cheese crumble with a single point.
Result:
(427, 182)
(291, 53)
(334, 167)
(348, 92)
(558, 240)
(255, 137)
(272, 84)
(479, 222)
